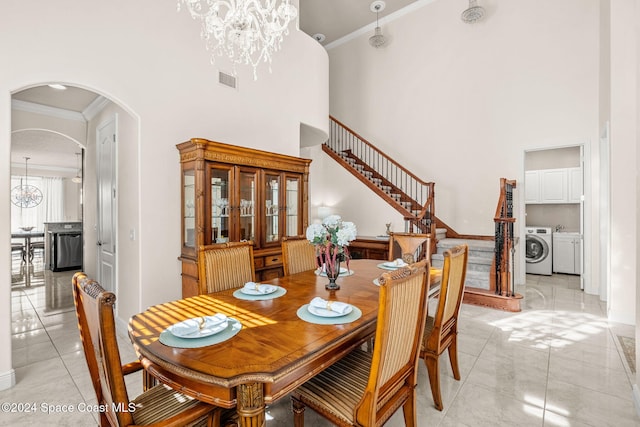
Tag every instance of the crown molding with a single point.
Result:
(41, 170)
(32, 107)
(95, 107)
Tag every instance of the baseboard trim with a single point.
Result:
(486, 298)
(636, 397)
(7, 379)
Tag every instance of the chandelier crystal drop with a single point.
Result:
(246, 31)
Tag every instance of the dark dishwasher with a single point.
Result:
(66, 250)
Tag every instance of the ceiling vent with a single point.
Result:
(227, 79)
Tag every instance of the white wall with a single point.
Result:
(444, 92)
(624, 108)
(459, 105)
(636, 18)
(151, 62)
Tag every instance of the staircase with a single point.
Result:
(489, 270)
(401, 189)
(481, 253)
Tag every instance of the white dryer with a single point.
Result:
(539, 253)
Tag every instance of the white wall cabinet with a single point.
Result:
(574, 184)
(532, 186)
(549, 186)
(566, 253)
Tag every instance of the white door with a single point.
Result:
(106, 183)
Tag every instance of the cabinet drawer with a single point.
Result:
(270, 273)
(258, 262)
(272, 260)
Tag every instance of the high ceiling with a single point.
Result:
(338, 18)
(332, 18)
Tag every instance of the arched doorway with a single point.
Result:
(71, 117)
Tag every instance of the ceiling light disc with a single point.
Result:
(377, 6)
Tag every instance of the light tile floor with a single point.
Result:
(556, 363)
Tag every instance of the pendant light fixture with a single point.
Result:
(377, 40)
(473, 13)
(25, 195)
(78, 178)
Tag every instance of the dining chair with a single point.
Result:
(18, 248)
(298, 254)
(17, 262)
(160, 405)
(441, 330)
(225, 266)
(366, 388)
(411, 247)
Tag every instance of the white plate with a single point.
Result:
(392, 264)
(200, 333)
(269, 290)
(316, 311)
(376, 282)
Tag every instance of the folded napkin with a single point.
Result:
(191, 326)
(259, 287)
(336, 306)
(397, 263)
(215, 320)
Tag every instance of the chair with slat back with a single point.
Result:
(441, 331)
(159, 405)
(366, 388)
(298, 254)
(225, 266)
(410, 247)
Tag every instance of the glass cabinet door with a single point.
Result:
(246, 206)
(271, 208)
(220, 208)
(292, 206)
(189, 208)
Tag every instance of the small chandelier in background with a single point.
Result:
(78, 178)
(473, 13)
(246, 31)
(25, 195)
(377, 40)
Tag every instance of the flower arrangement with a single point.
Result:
(331, 240)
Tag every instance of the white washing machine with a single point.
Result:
(539, 245)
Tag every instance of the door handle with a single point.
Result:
(99, 243)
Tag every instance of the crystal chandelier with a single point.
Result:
(25, 195)
(246, 31)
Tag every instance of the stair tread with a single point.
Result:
(477, 245)
(471, 260)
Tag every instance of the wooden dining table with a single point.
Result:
(274, 352)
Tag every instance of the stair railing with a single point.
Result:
(504, 240)
(347, 143)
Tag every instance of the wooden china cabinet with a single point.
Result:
(232, 193)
